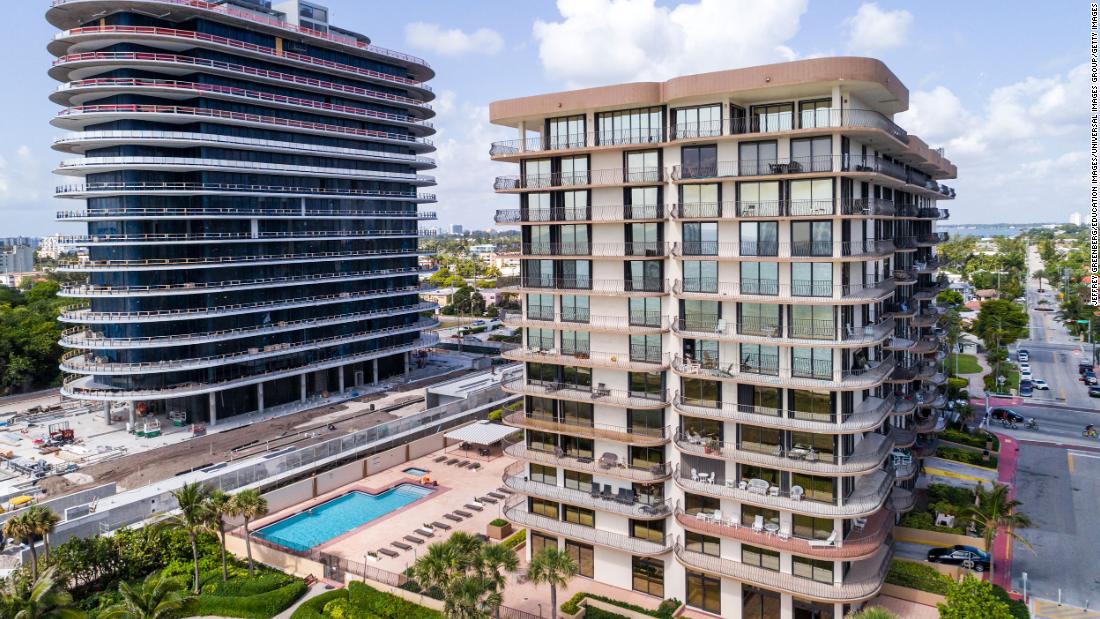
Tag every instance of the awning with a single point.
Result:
(481, 433)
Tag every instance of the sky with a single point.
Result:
(1001, 86)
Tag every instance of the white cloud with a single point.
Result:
(20, 177)
(872, 29)
(606, 41)
(453, 42)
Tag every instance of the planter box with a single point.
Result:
(912, 595)
(499, 533)
(579, 614)
(935, 538)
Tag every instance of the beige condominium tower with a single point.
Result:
(732, 358)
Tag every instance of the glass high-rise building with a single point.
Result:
(251, 177)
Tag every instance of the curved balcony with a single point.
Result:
(79, 337)
(900, 311)
(168, 238)
(84, 291)
(199, 212)
(902, 500)
(617, 251)
(92, 190)
(774, 209)
(771, 291)
(636, 323)
(925, 447)
(925, 319)
(899, 344)
(515, 477)
(867, 456)
(602, 287)
(859, 544)
(172, 37)
(863, 581)
(611, 177)
(99, 165)
(596, 395)
(165, 264)
(85, 387)
(78, 116)
(561, 459)
(515, 510)
(604, 213)
(930, 239)
(634, 361)
(868, 415)
(801, 332)
(80, 363)
(926, 345)
(86, 316)
(848, 380)
(904, 438)
(930, 398)
(930, 425)
(904, 405)
(633, 435)
(783, 251)
(867, 497)
(172, 62)
(252, 19)
(905, 465)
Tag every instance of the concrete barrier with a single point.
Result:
(338, 477)
(425, 446)
(415, 598)
(286, 562)
(912, 595)
(936, 538)
(387, 459)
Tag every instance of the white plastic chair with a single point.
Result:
(711, 480)
(796, 493)
(717, 516)
(758, 523)
(784, 533)
(826, 543)
(859, 523)
(694, 475)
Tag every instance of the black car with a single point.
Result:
(1003, 414)
(1094, 391)
(1089, 378)
(967, 556)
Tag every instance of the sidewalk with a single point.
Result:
(317, 589)
(1002, 544)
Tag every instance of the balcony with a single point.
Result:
(868, 415)
(759, 167)
(905, 465)
(515, 510)
(587, 393)
(201, 212)
(860, 543)
(601, 250)
(746, 209)
(903, 405)
(595, 214)
(85, 290)
(635, 435)
(867, 497)
(635, 323)
(587, 464)
(763, 372)
(185, 189)
(798, 332)
(637, 360)
(934, 238)
(621, 503)
(904, 438)
(828, 250)
(863, 581)
(867, 456)
(612, 177)
(902, 500)
(633, 287)
(771, 291)
(925, 319)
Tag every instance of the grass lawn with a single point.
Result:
(968, 364)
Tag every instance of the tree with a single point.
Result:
(22, 528)
(873, 612)
(469, 573)
(219, 506)
(466, 301)
(553, 567)
(249, 504)
(995, 510)
(157, 598)
(1000, 323)
(42, 598)
(193, 518)
(1039, 275)
(43, 521)
(950, 298)
(971, 598)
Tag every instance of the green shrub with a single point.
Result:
(573, 604)
(498, 522)
(972, 440)
(258, 606)
(495, 415)
(664, 611)
(596, 613)
(966, 456)
(926, 521)
(1017, 607)
(515, 539)
(365, 602)
(314, 607)
(240, 585)
(917, 576)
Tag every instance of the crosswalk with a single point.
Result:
(1045, 609)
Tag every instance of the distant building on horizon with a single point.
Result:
(456, 229)
(16, 259)
(1075, 218)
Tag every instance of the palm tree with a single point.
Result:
(469, 573)
(219, 505)
(192, 518)
(45, 598)
(157, 598)
(994, 509)
(248, 504)
(1039, 274)
(553, 567)
(43, 520)
(22, 528)
(495, 562)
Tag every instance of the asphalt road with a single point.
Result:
(1060, 491)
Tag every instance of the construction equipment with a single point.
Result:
(60, 434)
(178, 418)
(149, 429)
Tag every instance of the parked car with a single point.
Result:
(1023, 355)
(968, 556)
(1089, 378)
(1002, 414)
(1094, 391)
(1039, 384)
(1025, 367)
(1084, 366)
(1025, 389)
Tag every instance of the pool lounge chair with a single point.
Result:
(463, 464)
(440, 459)
(474, 506)
(452, 518)
(505, 490)
(442, 526)
(452, 461)
(387, 552)
(487, 499)
(463, 514)
(424, 532)
(401, 545)
(412, 538)
(496, 495)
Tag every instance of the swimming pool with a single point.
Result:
(330, 519)
(416, 470)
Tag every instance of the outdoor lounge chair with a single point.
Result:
(464, 514)
(424, 532)
(438, 460)
(487, 499)
(387, 552)
(607, 492)
(595, 492)
(463, 464)
(496, 495)
(452, 518)
(621, 497)
(758, 524)
(474, 506)
(452, 461)
(401, 545)
(505, 490)
(826, 543)
(414, 539)
(442, 526)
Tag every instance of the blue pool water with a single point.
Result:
(413, 470)
(338, 516)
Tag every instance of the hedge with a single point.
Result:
(262, 605)
(591, 612)
(918, 576)
(664, 611)
(374, 603)
(314, 607)
(498, 522)
(970, 440)
(966, 456)
(515, 539)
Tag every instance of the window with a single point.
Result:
(700, 201)
(700, 276)
(750, 512)
(646, 422)
(644, 275)
(761, 440)
(565, 132)
(543, 507)
(643, 202)
(540, 307)
(699, 161)
(639, 126)
(643, 239)
(579, 378)
(823, 445)
(578, 515)
(537, 207)
(645, 311)
(697, 122)
(574, 240)
(701, 239)
(576, 413)
(762, 400)
(811, 279)
(811, 405)
(576, 274)
(574, 308)
(540, 541)
(642, 167)
(821, 571)
(758, 199)
(648, 576)
(760, 557)
(576, 447)
(760, 278)
(759, 238)
(536, 173)
(578, 481)
(758, 319)
(759, 603)
(805, 609)
(811, 197)
(772, 117)
(704, 352)
(538, 241)
(695, 503)
(645, 348)
(538, 273)
(575, 206)
(815, 488)
(696, 427)
(542, 372)
(812, 154)
(649, 458)
(574, 171)
(757, 158)
(652, 530)
(816, 114)
(540, 339)
(575, 343)
(699, 542)
(700, 392)
(544, 474)
(812, 322)
(759, 359)
(809, 527)
(647, 385)
(699, 315)
(812, 363)
(584, 556)
(540, 408)
(542, 441)
(811, 238)
(704, 592)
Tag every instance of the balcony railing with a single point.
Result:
(585, 248)
(622, 503)
(635, 434)
(638, 359)
(597, 286)
(803, 329)
(867, 456)
(782, 208)
(782, 249)
(191, 188)
(804, 291)
(184, 237)
(85, 290)
(588, 464)
(760, 167)
(868, 415)
(762, 371)
(237, 213)
(598, 394)
(614, 176)
(611, 213)
(636, 321)
(227, 261)
(515, 510)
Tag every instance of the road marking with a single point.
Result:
(1045, 609)
(1069, 458)
(943, 473)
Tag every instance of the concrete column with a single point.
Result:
(132, 406)
(302, 383)
(213, 406)
(341, 372)
(107, 412)
(408, 362)
(374, 371)
(522, 136)
(260, 397)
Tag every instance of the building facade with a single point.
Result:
(732, 358)
(16, 258)
(251, 181)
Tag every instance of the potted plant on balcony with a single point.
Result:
(499, 528)
(712, 445)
